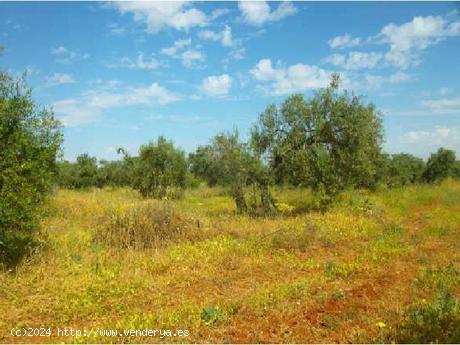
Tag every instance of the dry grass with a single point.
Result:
(350, 274)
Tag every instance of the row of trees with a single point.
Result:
(330, 142)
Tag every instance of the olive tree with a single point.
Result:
(404, 169)
(30, 140)
(238, 166)
(440, 165)
(160, 169)
(329, 142)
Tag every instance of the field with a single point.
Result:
(375, 267)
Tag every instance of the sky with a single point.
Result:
(119, 74)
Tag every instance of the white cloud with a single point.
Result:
(191, 57)
(423, 141)
(371, 81)
(178, 45)
(158, 15)
(149, 95)
(345, 41)
(72, 112)
(216, 86)
(218, 13)
(59, 50)
(174, 118)
(285, 80)
(399, 77)
(355, 60)
(225, 36)
(59, 79)
(444, 91)
(89, 107)
(443, 106)
(115, 29)
(67, 56)
(140, 62)
(408, 39)
(438, 135)
(258, 12)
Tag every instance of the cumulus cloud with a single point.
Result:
(219, 13)
(372, 81)
(67, 56)
(140, 62)
(354, 60)
(178, 45)
(443, 106)
(216, 86)
(191, 57)
(181, 49)
(225, 36)
(444, 91)
(72, 112)
(59, 79)
(285, 80)
(91, 104)
(158, 15)
(345, 41)
(408, 39)
(258, 13)
(430, 140)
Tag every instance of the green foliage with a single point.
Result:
(81, 174)
(329, 142)
(212, 315)
(114, 173)
(86, 171)
(203, 164)
(237, 166)
(436, 321)
(440, 165)
(30, 140)
(456, 170)
(405, 169)
(160, 170)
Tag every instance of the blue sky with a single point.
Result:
(123, 73)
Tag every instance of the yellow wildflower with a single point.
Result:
(381, 324)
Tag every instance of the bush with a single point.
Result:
(405, 169)
(161, 170)
(292, 239)
(436, 321)
(440, 165)
(30, 140)
(141, 227)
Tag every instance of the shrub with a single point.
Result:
(440, 165)
(437, 321)
(212, 315)
(30, 140)
(161, 170)
(141, 227)
(404, 169)
(293, 238)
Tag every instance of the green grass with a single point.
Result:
(302, 276)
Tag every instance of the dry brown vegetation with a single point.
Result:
(355, 273)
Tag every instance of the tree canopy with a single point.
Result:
(329, 142)
(30, 140)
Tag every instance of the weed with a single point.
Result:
(436, 321)
(143, 226)
(212, 315)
